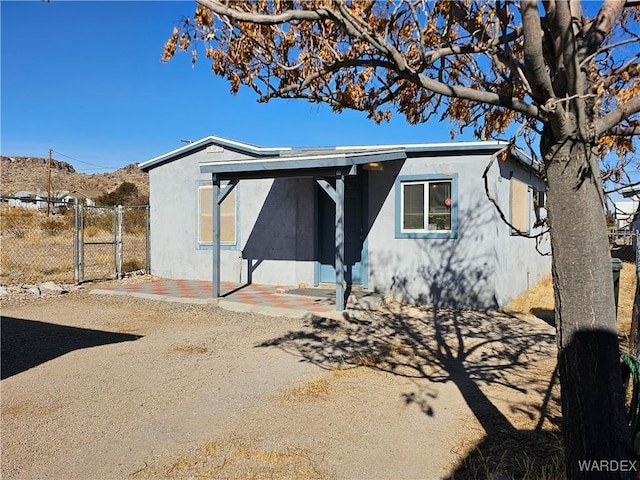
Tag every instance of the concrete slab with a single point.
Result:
(263, 299)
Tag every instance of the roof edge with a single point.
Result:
(430, 147)
(258, 151)
(247, 148)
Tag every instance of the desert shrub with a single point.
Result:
(132, 265)
(102, 219)
(123, 195)
(54, 226)
(16, 221)
(135, 220)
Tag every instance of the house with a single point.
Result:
(27, 199)
(633, 192)
(77, 195)
(38, 200)
(625, 212)
(410, 221)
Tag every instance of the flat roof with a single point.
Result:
(299, 155)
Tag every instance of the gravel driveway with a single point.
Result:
(116, 387)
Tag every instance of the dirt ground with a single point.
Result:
(100, 387)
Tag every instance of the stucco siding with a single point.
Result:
(277, 223)
(445, 271)
(173, 221)
(479, 263)
(484, 266)
(519, 265)
(275, 226)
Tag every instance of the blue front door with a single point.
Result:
(353, 233)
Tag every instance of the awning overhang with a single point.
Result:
(318, 165)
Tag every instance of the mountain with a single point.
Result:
(31, 174)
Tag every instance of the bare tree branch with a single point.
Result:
(263, 19)
(603, 125)
(535, 68)
(601, 26)
(626, 131)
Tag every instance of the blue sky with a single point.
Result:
(85, 79)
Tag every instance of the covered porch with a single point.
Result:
(329, 170)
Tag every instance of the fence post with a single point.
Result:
(147, 255)
(119, 241)
(76, 242)
(81, 245)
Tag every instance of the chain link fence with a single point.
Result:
(75, 245)
(96, 255)
(623, 245)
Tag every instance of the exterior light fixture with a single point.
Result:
(375, 166)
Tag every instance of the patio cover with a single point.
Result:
(321, 165)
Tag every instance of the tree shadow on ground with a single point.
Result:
(479, 352)
(29, 343)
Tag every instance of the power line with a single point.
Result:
(81, 161)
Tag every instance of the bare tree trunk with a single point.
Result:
(594, 418)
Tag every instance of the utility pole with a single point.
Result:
(49, 185)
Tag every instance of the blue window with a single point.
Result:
(426, 206)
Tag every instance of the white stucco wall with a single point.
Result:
(483, 267)
(518, 264)
(269, 238)
(277, 222)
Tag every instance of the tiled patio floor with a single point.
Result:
(268, 296)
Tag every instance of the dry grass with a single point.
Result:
(189, 348)
(240, 457)
(525, 455)
(29, 408)
(625, 299)
(538, 454)
(314, 389)
(538, 297)
(348, 371)
(37, 257)
(525, 452)
(34, 248)
(538, 300)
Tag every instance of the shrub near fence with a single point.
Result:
(135, 239)
(37, 248)
(100, 252)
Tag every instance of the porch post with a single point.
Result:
(216, 236)
(339, 241)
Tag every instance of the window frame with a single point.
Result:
(203, 184)
(402, 180)
(526, 207)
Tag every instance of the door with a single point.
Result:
(353, 233)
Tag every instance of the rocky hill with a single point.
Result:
(31, 174)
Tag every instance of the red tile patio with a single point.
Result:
(259, 295)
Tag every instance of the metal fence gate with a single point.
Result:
(110, 241)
